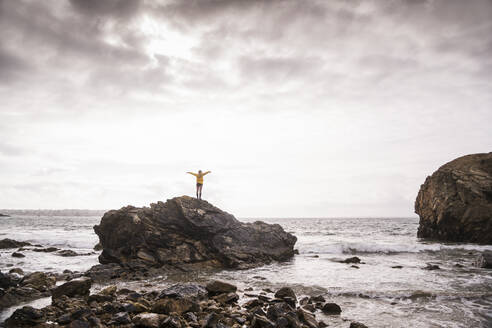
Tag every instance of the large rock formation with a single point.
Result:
(187, 233)
(455, 203)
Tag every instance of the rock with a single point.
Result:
(177, 305)
(79, 324)
(68, 253)
(100, 298)
(104, 272)
(278, 310)
(286, 292)
(4, 215)
(148, 320)
(354, 259)
(331, 308)
(16, 254)
(397, 267)
(309, 307)
(357, 325)
(316, 299)
(25, 317)
(189, 232)
(307, 318)
(211, 320)
(261, 322)
(431, 267)
(19, 271)
(76, 287)
(110, 290)
(227, 298)
(10, 243)
(38, 280)
(216, 287)
(45, 250)
(484, 260)
(184, 290)
(172, 322)
(121, 318)
(98, 247)
(6, 281)
(455, 202)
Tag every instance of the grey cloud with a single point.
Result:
(278, 68)
(114, 8)
(11, 66)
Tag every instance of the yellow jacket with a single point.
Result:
(199, 176)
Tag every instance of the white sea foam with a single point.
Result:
(385, 248)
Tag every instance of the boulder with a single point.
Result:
(356, 324)
(17, 254)
(38, 280)
(6, 281)
(76, 287)
(307, 318)
(331, 308)
(187, 232)
(216, 287)
(177, 305)
(354, 259)
(286, 292)
(148, 320)
(26, 316)
(184, 290)
(455, 202)
(484, 260)
(10, 243)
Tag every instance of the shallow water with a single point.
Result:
(375, 293)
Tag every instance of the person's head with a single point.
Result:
(200, 171)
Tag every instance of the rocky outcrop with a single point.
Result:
(484, 260)
(10, 243)
(188, 233)
(455, 203)
(15, 289)
(178, 306)
(75, 287)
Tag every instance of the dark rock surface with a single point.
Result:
(25, 317)
(10, 243)
(484, 260)
(455, 202)
(188, 233)
(18, 289)
(331, 308)
(357, 325)
(177, 306)
(76, 287)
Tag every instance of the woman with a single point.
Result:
(199, 182)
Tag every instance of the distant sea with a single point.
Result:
(378, 292)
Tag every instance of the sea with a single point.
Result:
(390, 288)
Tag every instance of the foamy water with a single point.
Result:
(375, 293)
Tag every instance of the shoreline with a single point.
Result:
(105, 301)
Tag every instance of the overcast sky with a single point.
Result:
(299, 108)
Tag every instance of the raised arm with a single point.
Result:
(207, 172)
(192, 173)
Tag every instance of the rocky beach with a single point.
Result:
(186, 263)
(181, 235)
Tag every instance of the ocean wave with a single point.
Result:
(413, 295)
(368, 248)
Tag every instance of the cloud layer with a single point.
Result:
(300, 108)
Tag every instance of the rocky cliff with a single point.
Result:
(188, 233)
(455, 202)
